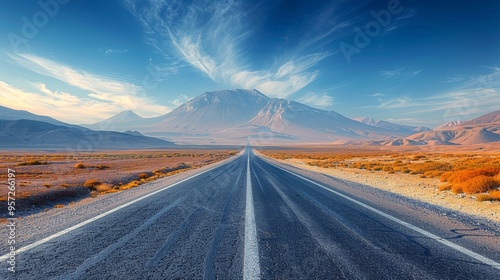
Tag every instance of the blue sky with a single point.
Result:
(411, 62)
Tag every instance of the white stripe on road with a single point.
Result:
(46, 239)
(251, 266)
(441, 240)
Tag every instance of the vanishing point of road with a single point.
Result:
(252, 218)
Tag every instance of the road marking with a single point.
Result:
(70, 229)
(90, 262)
(441, 240)
(251, 266)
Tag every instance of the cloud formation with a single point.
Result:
(475, 95)
(211, 35)
(110, 51)
(399, 74)
(124, 95)
(317, 99)
(61, 105)
(181, 99)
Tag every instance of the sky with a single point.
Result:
(412, 62)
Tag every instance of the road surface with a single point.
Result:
(252, 219)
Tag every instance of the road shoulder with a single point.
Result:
(408, 189)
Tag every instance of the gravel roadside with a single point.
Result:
(420, 192)
(34, 227)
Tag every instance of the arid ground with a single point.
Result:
(465, 179)
(48, 179)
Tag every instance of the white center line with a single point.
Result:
(441, 240)
(251, 266)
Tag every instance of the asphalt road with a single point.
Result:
(251, 219)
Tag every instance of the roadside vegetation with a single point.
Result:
(467, 173)
(46, 180)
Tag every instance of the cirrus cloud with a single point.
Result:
(121, 94)
(210, 36)
(60, 105)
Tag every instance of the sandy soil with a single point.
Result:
(423, 189)
(59, 181)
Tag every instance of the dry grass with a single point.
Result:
(473, 181)
(143, 175)
(100, 172)
(104, 188)
(102, 167)
(130, 185)
(32, 162)
(492, 196)
(468, 173)
(91, 183)
(80, 165)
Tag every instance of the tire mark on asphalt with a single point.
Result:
(200, 206)
(458, 248)
(113, 210)
(223, 224)
(172, 238)
(323, 241)
(82, 269)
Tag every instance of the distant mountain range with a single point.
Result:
(235, 115)
(22, 130)
(448, 125)
(401, 129)
(12, 115)
(481, 130)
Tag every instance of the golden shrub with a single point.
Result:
(91, 183)
(479, 184)
(80, 165)
(446, 187)
(103, 187)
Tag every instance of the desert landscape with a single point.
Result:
(58, 178)
(465, 179)
(242, 139)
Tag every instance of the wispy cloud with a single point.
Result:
(395, 103)
(377, 94)
(211, 35)
(317, 99)
(411, 121)
(61, 105)
(181, 99)
(474, 96)
(400, 20)
(110, 51)
(455, 78)
(122, 94)
(399, 74)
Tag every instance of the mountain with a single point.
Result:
(491, 118)
(37, 134)
(120, 122)
(447, 125)
(481, 130)
(235, 115)
(404, 130)
(11, 114)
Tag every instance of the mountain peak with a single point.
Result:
(127, 114)
(119, 122)
(366, 120)
(492, 117)
(402, 129)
